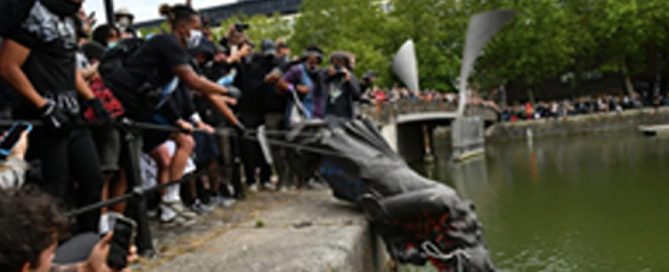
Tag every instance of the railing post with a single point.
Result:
(236, 178)
(137, 205)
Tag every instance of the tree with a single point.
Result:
(357, 26)
(438, 30)
(547, 39)
(261, 27)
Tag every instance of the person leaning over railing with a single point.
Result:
(13, 169)
(161, 66)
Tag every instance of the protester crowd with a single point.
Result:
(581, 105)
(378, 95)
(80, 84)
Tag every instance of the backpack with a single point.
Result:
(139, 102)
(114, 58)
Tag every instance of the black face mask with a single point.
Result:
(62, 7)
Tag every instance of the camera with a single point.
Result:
(339, 71)
(241, 27)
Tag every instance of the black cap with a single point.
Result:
(313, 51)
(267, 47)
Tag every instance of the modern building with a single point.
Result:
(218, 14)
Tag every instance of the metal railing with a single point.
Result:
(136, 196)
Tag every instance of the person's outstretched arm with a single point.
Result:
(221, 105)
(198, 82)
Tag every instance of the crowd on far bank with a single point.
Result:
(580, 106)
(378, 95)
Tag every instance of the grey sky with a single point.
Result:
(144, 9)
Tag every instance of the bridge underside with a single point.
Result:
(415, 140)
(409, 127)
(426, 117)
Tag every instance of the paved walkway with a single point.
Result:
(289, 231)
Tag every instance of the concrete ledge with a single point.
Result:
(309, 232)
(580, 124)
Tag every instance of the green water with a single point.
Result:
(590, 203)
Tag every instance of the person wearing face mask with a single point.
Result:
(106, 35)
(38, 61)
(250, 80)
(163, 63)
(304, 80)
(124, 22)
(301, 83)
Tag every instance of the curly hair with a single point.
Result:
(30, 222)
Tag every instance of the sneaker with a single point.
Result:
(253, 188)
(227, 202)
(200, 208)
(268, 186)
(176, 221)
(178, 208)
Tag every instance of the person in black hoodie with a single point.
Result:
(251, 81)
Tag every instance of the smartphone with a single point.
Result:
(13, 136)
(122, 239)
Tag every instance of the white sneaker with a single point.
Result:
(176, 221)
(227, 202)
(268, 187)
(253, 188)
(178, 208)
(170, 217)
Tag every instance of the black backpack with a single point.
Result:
(115, 58)
(139, 101)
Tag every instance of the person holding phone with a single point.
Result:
(13, 167)
(31, 227)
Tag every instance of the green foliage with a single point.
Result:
(262, 27)
(548, 38)
(148, 31)
(357, 26)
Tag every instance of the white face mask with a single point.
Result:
(111, 45)
(194, 39)
(124, 21)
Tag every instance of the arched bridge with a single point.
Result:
(409, 125)
(409, 111)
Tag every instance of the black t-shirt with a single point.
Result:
(14, 11)
(50, 67)
(275, 100)
(156, 59)
(150, 67)
(251, 81)
(340, 94)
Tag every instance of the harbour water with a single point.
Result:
(586, 203)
